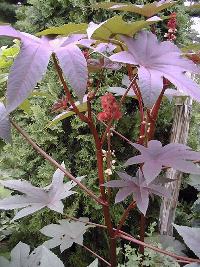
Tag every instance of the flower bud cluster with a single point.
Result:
(110, 107)
(112, 167)
(171, 25)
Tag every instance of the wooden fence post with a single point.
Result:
(179, 134)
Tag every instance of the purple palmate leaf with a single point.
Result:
(5, 129)
(31, 64)
(74, 66)
(35, 198)
(156, 60)
(8, 31)
(27, 70)
(138, 187)
(20, 257)
(154, 157)
(191, 237)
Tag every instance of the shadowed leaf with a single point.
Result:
(65, 233)
(191, 237)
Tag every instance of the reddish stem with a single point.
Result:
(142, 232)
(140, 102)
(108, 128)
(98, 146)
(96, 255)
(108, 159)
(132, 239)
(125, 215)
(140, 141)
(153, 115)
(133, 81)
(106, 210)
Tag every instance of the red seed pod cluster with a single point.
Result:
(171, 25)
(111, 109)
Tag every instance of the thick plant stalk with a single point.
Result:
(99, 157)
(180, 129)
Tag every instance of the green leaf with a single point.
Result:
(66, 114)
(11, 51)
(116, 25)
(5, 63)
(26, 106)
(65, 29)
(3, 77)
(191, 47)
(194, 6)
(4, 192)
(147, 10)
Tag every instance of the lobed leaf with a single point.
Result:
(65, 233)
(35, 198)
(74, 67)
(65, 29)
(138, 188)
(156, 60)
(115, 26)
(154, 157)
(27, 70)
(21, 257)
(147, 10)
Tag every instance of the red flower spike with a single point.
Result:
(110, 107)
(171, 25)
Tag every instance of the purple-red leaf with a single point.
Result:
(156, 60)
(32, 61)
(35, 198)
(174, 155)
(191, 237)
(9, 31)
(138, 187)
(74, 67)
(27, 70)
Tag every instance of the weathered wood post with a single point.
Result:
(179, 134)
